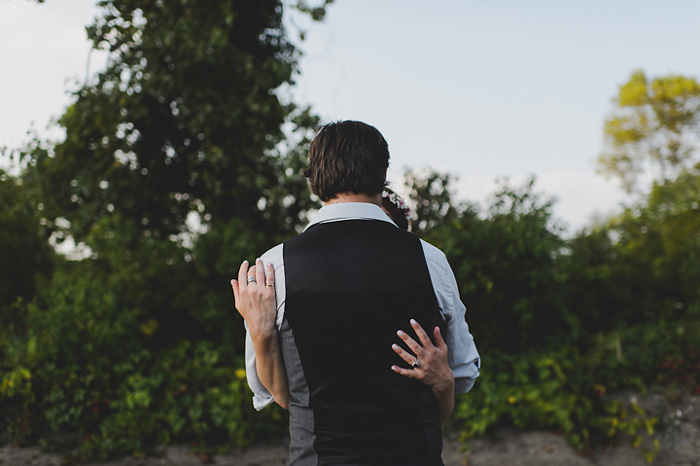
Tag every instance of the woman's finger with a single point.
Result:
(403, 354)
(410, 342)
(411, 374)
(424, 338)
(259, 273)
(269, 275)
(234, 286)
(243, 276)
(270, 279)
(438, 339)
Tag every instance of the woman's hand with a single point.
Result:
(429, 365)
(254, 295)
(254, 292)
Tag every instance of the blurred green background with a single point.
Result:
(180, 161)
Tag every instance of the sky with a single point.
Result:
(481, 90)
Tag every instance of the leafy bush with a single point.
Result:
(113, 353)
(506, 261)
(188, 394)
(567, 390)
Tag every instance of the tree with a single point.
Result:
(189, 124)
(24, 250)
(431, 194)
(187, 118)
(641, 265)
(654, 129)
(506, 260)
(663, 234)
(137, 344)
(674, 211)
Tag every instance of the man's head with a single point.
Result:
(347, 157)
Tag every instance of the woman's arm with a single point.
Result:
(429, 366)
(254, 294)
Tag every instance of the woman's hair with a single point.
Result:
(395, 208)
(347, 156)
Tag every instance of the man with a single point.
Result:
(343, 288)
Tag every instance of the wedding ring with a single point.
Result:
(269, 284)
(416, 364)
(251, 280)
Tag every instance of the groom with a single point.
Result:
(343, 288)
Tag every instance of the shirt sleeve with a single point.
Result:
(463, 357)
(261, 397)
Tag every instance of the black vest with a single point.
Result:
(350, 285)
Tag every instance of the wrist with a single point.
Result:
(262, 333)
(446, 385)
(261, 326)
(266, 343)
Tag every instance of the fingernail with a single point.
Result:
(395, 346)
(232, 280)
(258, 260)
(245, 261)
(399, 333)
(393, 368)
(413, 322)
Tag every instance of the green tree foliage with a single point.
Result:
(654, 129)
(642, 265)
(187, 117)
(188, 125)
(23, 247)
(95, 366)
(594, 277)
(26, 261)
(673, 210)
(431, 194)
(506, 261)
(138, 343)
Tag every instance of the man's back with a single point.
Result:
(350, 285)
(352, 280)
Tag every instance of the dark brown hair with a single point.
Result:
(347, 156)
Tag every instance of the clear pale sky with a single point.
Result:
(480, 89)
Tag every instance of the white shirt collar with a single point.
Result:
(349, 211)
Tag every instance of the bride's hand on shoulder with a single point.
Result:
(428, 361)
(254, 295)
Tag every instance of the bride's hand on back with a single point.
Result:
(428, 361)
(254, 295)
